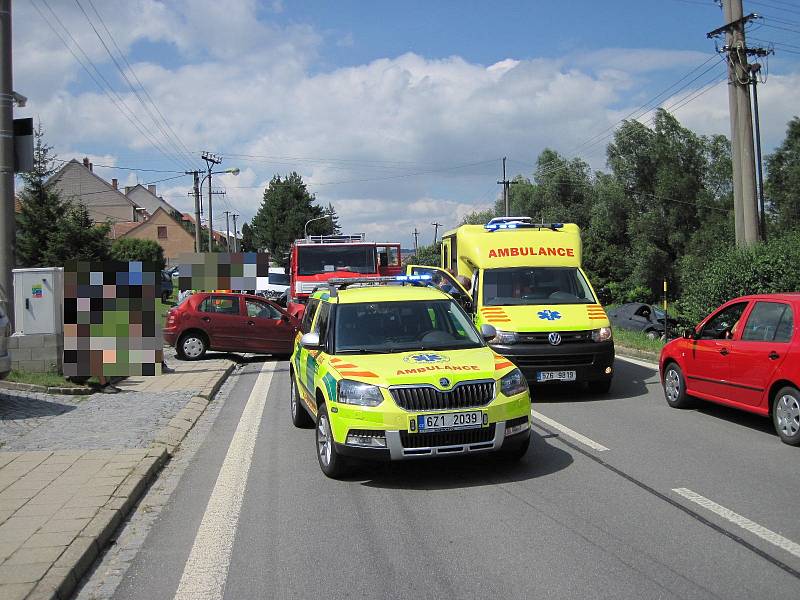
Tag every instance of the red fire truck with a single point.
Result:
(316, 259)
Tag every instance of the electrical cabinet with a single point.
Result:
(38, 300)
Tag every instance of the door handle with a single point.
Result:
(774, 355)
(251, 322)
(724, 351)
(207, 319)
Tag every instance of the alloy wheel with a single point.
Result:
(293, 393)
(323, 440)
(672, 385)
(787, 411)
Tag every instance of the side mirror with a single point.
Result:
(488, 332)
(688, 334)
(285, 318)
(604, 295)
(310, 341)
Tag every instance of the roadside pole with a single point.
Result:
(235, 234)
(7, 216)
(198, 240)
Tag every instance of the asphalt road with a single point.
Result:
(681, 504)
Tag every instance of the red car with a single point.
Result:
(746, 354)
(229, 322)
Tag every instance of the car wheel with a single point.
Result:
(675, 387)
(786, 415)
(651, 334)
(600, 387)
(516, 450)
(300, 418)
(165, 297)
(192, 346)
(330, 461)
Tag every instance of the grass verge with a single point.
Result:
(637, 340)
(45, 379)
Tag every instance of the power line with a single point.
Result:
(107, 89)
(773, 6)
(60, 160)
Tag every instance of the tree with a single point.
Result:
(128, 249)
(284, 211)
(247, 239)
(42, 208)
(782, 184)
(79, 238)
(426, 255)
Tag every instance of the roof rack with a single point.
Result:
(340, 283)
(332, 239)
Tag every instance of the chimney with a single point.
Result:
(91, 167)
(86, 161)
(152, 188)
(115, 184)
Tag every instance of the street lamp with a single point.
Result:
(305, 227)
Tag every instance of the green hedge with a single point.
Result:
(707, 282)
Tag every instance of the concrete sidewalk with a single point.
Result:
(80, 471)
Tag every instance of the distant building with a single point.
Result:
(77, 183)
(146, 198)
(163, 228)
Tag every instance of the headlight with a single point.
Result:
(362, 394)
(601, 335)
(514, 383)
(504, 338)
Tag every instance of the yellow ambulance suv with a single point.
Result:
(526, 280)
(391, 368)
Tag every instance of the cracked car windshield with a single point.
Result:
(401, 326)
(542, 285)
(326, 259)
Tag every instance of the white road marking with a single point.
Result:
(641, 363)
(578, 437)
(743, 522)
(207, 566)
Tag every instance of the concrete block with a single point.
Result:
(13, 342)
(79, 556)
(57, 583)
(18, 354)
(31, 341)
(102, 526)
(53, 340)
(33, 366)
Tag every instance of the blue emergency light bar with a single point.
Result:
(499, 223)
(342, 283)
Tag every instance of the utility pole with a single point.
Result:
(416, 235)
(227, 231)
(435, 232)
(211, 160)
(198, 242)
(7, 217)
(744, 171)
(235, 234)
(505, 183)
(755, 69)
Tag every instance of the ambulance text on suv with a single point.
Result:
(526, 280)
(400, 372)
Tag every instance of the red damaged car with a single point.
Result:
(229, 322)
(745, 354)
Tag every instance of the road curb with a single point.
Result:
(625, 352)
(32, 387)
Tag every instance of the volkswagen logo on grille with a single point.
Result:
(554, 338)
(444, 382)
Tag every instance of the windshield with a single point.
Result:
(535, 285)
(278, 279)
(381, 327)
(313, 260)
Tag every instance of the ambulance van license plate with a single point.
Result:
(555, 376)
(459, 420)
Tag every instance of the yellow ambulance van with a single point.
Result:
(526, 280)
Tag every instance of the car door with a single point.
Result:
(445, 282)
(759, 349)
(301, 354)
(271, 331)
(639, 319)
(707, 360)
(221, 318)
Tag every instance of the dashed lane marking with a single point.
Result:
(207, 566)
(578, 437)
(743, 522)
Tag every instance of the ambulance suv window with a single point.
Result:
(535, 285)
(769, 322)
(308, 315)
(321, 324)
(384, 327)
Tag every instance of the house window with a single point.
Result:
(162, 232)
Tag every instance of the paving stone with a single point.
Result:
(42, 540)
(7, 548)
(24, 555)
(82, 501)
(4, 515)
(57, 583)
(12, 505)
(80, 555)
(36, 510)
(75, 512)
(20, 528)
(15, 591)
(29, 573)
(64, 525)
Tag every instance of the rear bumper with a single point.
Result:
(396, 450)
(589, 360)
(170, 337)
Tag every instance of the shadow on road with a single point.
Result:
(464, 471)
(736, 417)
(14, 407)
(630, 381)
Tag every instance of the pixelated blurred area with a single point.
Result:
(234, 271)
(111, 323)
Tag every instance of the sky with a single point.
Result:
(396, 113)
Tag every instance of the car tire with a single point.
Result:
(331, 462)
(191, 346)
(300, 417)
(165, 297)
(516, 450)
(652, 334)
(600, 387)
(675, 387)
(786, 415)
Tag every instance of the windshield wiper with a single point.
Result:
(362, 351)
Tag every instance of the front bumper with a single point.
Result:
(589, 360)
(396, 450)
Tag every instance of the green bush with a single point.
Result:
(136, 249)
(707, 282)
